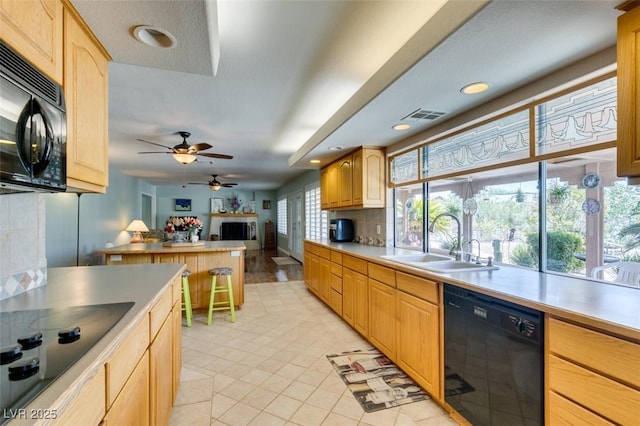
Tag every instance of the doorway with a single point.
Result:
(148, 210)
(296, 225)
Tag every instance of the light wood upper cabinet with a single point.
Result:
(629, 94)
(86, 93)
(345, 182)
(34, 29)
(369, 178)
(357, 180)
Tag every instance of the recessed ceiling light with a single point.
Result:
(473, 88)
(336, 148)
(400, 127)
(315, 161)
(154, 36)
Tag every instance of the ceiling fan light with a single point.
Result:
(215, 187)
(184, 158)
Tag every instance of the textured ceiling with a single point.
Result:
(295, 77)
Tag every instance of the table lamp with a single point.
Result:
(137, 226)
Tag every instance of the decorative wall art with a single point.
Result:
(183, 205)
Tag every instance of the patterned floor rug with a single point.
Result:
(284, 261)
(375, 381)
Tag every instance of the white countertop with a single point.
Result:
(610, 307)
(89, 285)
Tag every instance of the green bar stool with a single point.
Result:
(215, 288)
(186, 297)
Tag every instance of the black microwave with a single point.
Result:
(33, 127)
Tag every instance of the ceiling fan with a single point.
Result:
(214, 184)
(185, 153)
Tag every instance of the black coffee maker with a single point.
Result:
(341, 230)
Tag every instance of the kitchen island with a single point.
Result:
(133, 370)
(199, 259)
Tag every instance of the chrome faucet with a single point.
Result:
(471, 249)
(455, 250)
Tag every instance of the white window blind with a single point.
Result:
(282, 216)
(315, 218)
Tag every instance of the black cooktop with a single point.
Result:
(39, 345)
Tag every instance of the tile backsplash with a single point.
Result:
(23, 261)
(366, 223)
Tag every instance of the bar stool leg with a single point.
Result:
(212, 298)
(231, 304)
(186, 295)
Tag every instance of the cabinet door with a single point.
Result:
(369, 188)
(86, 93)
(418, 341)
(382, 317)
(629, 93)
(161, 374)
(356, 171)
(324, 281)
(334, 190)
(345, 181)
(131, 408)
(361, 304)
(177, 348)
(348, 296)
(315, 274)
(34, 29)
(324, 189)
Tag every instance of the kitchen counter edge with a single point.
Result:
(611, 308)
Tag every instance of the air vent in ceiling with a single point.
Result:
(424, 114)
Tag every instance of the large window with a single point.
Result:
(315, 218)
(535, 188)
(282, 216)
(409, 214)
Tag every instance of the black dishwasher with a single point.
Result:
(493, 355)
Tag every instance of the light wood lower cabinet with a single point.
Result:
(382, 317)
(89, 406)
(161, 374)
(595, 372)
(131, 408)
(418, 341)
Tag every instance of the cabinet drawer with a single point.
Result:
(132, 406)
(565, 413)
(336, 283)
(310, 248)
(323, 252)
(416, 286)
(382, 274)
(604, 396)
(336, 257)
(125, 358)
(609, 355)
(159, 313)
(335, 301)
(355, 264)
(88, 407)
(336, 269)
(176, 289)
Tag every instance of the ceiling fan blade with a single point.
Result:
(229, 185)
(221, 156)
(154, 152)
(201, 146)
(197, 183)
(157, 144)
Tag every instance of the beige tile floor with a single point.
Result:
(270, 367)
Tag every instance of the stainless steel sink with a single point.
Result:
(437, 263)
(418, 257)
(455, 266)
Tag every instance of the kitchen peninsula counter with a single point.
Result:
(608, 307)
(199, 259)
(93, 285)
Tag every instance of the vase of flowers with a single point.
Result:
(235, 203)
(183, 227)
